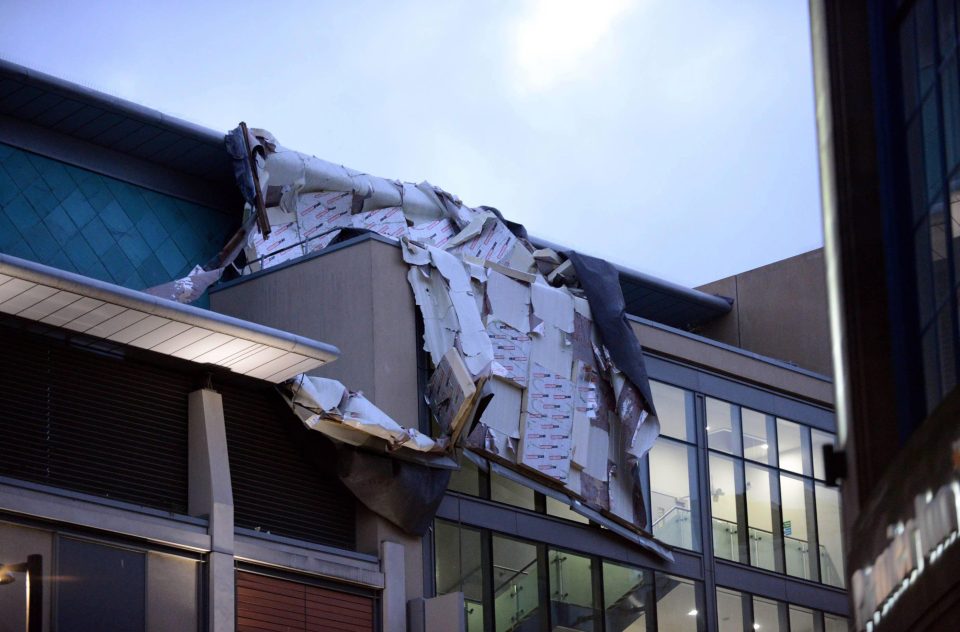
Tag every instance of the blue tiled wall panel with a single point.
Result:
(101, 227)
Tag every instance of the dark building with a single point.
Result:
(888, 108)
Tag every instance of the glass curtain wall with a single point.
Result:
(515, 585)
(740, 612)
(769, 505)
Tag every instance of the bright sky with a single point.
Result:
(676, 138)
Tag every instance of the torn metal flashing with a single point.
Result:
(110, 312)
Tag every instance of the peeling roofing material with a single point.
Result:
(62, 299)
(523, 375)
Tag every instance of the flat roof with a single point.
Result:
(63, 299)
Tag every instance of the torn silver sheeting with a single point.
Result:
(472, 336)
(556, 406)
(318, 401)
(189, 288)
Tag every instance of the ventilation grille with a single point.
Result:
(284, 476)
(90, 422)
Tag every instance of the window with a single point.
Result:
(767, 509)
(738, 611)
(673, 497)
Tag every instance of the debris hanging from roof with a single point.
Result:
(535, 365)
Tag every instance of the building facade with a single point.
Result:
(887, 108)
(149, 482)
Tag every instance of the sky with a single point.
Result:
(673, 137)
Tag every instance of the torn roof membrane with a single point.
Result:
(535, 366)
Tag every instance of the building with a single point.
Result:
(175, 494)
(887, 109)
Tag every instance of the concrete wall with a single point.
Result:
(779, 310)
(356, 298)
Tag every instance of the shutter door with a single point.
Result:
(269, 604)
(91, 421)
(284, 475)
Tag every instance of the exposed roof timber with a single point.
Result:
(660, 300)
(36, 292)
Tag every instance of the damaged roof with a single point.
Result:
(113, 123)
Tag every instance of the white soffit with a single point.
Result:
(110, 312)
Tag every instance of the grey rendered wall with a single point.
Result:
(356, 298)
(779, 310)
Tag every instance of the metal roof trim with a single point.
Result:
(104, 100)
(155, 306)
(713, 302)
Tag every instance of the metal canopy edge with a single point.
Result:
(60, 298)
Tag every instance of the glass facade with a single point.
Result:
(750, 478)
(738, 612)
(769, 508)
(931, 119)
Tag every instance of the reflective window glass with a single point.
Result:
(679, 604)
(516, 597)
(801, 620)
(673, 501)
(766, 615)
(503, 490)
(675, 411)
(758, 436)
(562, 510)
(571, 592)
(833, 623)
(729, 610)
(722, 431)
(627, 598)
(818, 439)
(760, 511)
(796, 496)
(794, 455)
(726, 507)
(829, 532)
(459, 568)
(466, 480)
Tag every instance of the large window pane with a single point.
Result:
(833, 623)
(459, 568)
(801, 620)
(675, 411)
(932, 170)
(673, 500)
(729, 610)
(679, 604)
(503, 490)
(107, 587)
(722, 431)
(794, 451)
(516, 597)
(766, 615)
(760, 511)
(796, 496)
(829, 535)
(466, 480)
(726, 506)
(908, 60)
(571, 592)
(627, 598)
(758, 436)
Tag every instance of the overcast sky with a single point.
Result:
(675, 137)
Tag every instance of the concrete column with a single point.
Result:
(394, 600)
(211, 496)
